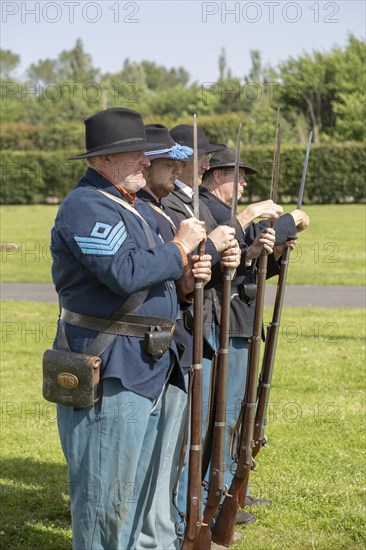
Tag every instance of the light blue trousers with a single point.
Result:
(113, 451)
(158, 529)
(236, 381)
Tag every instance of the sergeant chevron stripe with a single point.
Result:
(107, 244)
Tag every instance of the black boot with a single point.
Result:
(253, 501)
(244, 518)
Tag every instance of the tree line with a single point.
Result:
(319, 91)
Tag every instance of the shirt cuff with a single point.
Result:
(182, 252)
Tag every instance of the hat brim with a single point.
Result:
(121, 148)
(215, 148)
(166, 156)
(248, 169)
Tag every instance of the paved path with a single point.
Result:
(312, 296)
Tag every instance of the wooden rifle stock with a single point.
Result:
(223, 531)
(216, 483)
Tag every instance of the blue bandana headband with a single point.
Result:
(177, 152)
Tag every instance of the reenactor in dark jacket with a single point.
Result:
(158, 530)
(216, 192)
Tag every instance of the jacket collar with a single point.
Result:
(100, 182)
(207, 193)
(144, 195)
(178, 192)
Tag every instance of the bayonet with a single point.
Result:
(234, 199)
(276, 161)
(304, 170)
(196, 204)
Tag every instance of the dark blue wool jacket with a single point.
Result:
(101, 256)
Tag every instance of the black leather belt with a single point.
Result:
(126, 325)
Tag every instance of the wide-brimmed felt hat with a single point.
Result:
(183, 134)
(157, 134)
(226, 159)
(116, 130)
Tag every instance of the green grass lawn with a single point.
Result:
(330, 252)
(30, 227)
(314, 469)
(332, 249)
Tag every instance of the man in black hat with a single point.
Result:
(107, 264)
(180, 200)
(158, 530)
(181, 197)
(216, 192)
(218, 179)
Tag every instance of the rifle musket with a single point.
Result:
(216, 483)
(265, 378)
(194, 497)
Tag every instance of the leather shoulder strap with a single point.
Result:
(162, 213)
(148, 233)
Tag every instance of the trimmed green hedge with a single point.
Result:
(34, 177)
(69, 136)
(25, 136)
(335, 174)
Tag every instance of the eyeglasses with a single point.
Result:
(208, 156)
(230, 171)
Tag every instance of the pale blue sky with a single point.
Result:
(173, 33)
